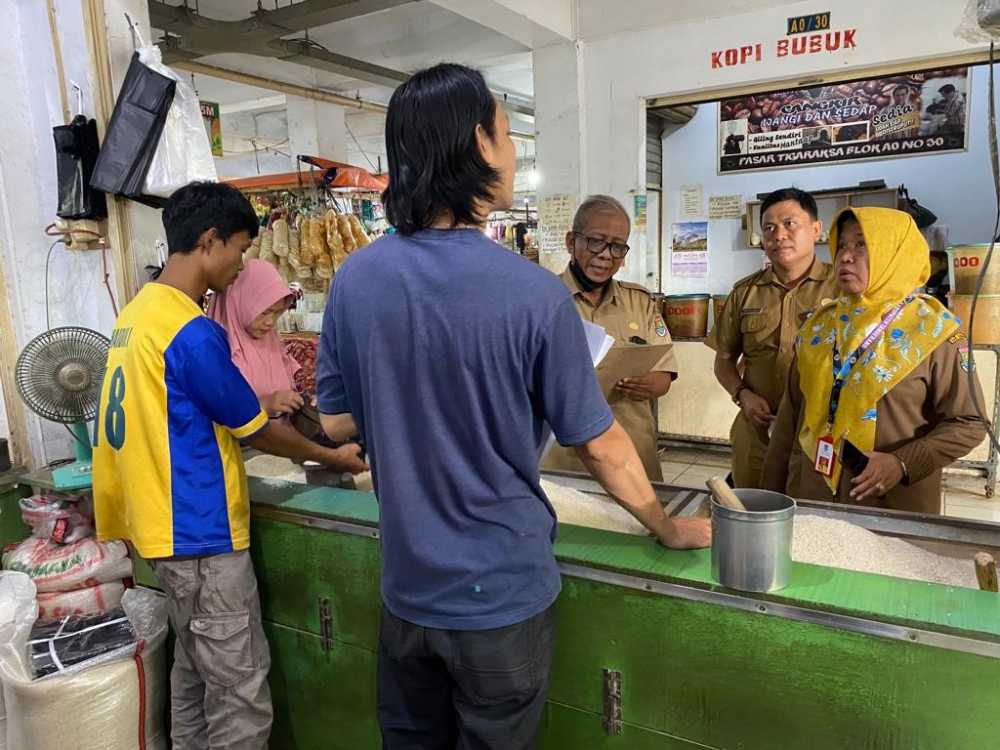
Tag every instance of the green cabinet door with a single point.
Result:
(297, 566)
(323, 700)
(721, 677)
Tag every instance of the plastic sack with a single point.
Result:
(62, 520)
(76, 153)
(134, 132)
(184, 153)
(65, 567)
(107, 705)
(18, 612)
(980, 22)
(89, 600)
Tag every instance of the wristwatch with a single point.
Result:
(906, 472)
(737, 392)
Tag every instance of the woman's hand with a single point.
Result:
(280, 403)
(884, 471)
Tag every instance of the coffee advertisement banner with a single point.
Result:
(880, 118)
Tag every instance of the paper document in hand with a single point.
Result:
(631, 361)
(599, 343)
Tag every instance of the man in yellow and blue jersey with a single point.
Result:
(169, 475)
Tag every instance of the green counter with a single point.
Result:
(837, 660)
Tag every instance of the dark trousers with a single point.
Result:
(463, 689)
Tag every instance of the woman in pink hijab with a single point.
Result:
(249, 311)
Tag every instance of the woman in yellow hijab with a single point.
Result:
(878, 401)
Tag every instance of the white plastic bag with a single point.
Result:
(59, 518)
(184, 153)
(18, 612)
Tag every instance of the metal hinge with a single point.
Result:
(612, 702)
(325, 624)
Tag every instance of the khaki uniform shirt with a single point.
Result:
(626, 310)
(928, 420)
(759, 322)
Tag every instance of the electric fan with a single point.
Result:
(59, 375)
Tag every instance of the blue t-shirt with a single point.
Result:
(451, 352)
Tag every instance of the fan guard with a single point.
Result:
(59, 373)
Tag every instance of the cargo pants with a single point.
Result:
(219, 696)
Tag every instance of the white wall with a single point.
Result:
(619, 71)
(28, 191)
(601, 18)
(557, 135)
(241, 130)
(276, 150)
(957, 187)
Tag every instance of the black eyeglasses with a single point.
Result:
(596, 246)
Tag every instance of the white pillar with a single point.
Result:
(316, 129)
(557, 147)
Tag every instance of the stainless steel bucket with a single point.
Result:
(752, 550)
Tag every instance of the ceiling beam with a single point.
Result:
(276, 101)
(311, 14)
(192, 35)
(323, 59)
(306, 92)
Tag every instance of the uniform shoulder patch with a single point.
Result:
(635, 287)
(961, 342)
(660, 326)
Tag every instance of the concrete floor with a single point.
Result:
(964, 491)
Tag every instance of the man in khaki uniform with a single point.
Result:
(597, 248)
(754, 339)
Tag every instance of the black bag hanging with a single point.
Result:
(922, 215)
(76, 154)
(134, 133)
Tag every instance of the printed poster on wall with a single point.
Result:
(640, 212)
(555, 218)
(692, 201)
(213, 126)
(905, 115)
(689, 249)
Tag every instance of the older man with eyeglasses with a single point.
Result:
(597, 245)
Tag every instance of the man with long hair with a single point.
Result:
(448, 353)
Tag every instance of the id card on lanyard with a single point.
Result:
(825, 453)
